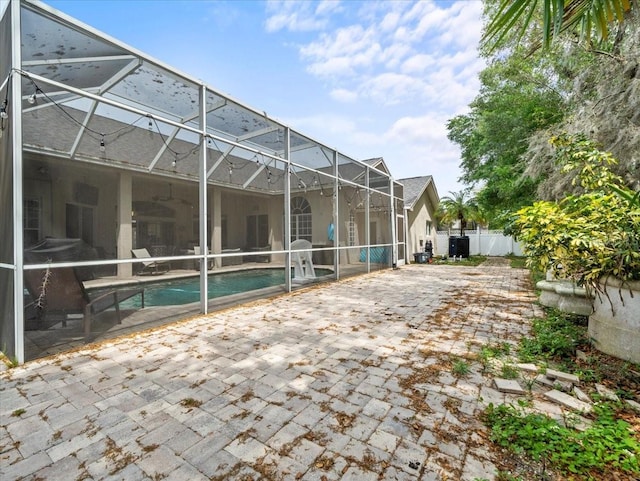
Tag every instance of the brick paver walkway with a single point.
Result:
(346, 381)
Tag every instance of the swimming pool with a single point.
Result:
(185, 291)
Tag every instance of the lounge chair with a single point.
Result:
(60, 292)
(150, 267)
(198, 251)
(231, 260)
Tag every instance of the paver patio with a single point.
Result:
(346, 381)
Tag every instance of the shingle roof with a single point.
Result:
(413, 189)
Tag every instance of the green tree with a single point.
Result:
(516, 99)
(458, 207)
(591, 19)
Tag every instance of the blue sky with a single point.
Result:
(371, 79)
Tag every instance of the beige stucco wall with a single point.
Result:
(417, 226)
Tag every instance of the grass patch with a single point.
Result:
(469, 261)
(509, 371)
(460, 368)
(495, 349)
(555, 337)
(491, 351)
(517, 262)
(608, 449)
(606, 446)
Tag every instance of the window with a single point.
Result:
(428, 228)
(352, 229)
(31, 220)
(300, 219)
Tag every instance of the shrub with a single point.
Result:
(607, 445)
(584, 237)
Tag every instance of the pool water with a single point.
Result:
(185, 291)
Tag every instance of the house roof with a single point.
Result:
(89, 97)
(414, 188)
(376, 162)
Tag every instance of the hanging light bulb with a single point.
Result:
(150, 127)
(175, 161)
(32, 98)
(3, 110)
(102, 146)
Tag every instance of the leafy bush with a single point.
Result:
(584, 237)
(608, 444)
(555, 336)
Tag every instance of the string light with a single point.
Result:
(150, 127)
(102, 146)
(3, 110)
(32, 98)
(175, 161)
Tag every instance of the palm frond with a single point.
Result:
(589, 17)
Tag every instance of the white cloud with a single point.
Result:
(390, 22)
(417, 130)
(393, 88)
(405, 52)
(417, 63)
(336, 66)
(327, 7)
(464, 28)
(353, 45)
(296, 16)
(344, 95)
(414, 62)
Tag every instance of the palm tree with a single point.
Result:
(584, 16)
(458, 206)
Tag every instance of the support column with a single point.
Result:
(202, 202)
(367, 219)
(216, 231)
(394, 224)
(15, 86)
(336, 217)
(125, 227)
(287, 209)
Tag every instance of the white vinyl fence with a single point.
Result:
(481, 242)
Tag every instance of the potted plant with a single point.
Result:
(592, 238)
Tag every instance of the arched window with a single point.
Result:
(300, 219)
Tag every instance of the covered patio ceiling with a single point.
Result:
(88, 97)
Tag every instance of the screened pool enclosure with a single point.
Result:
(117, 170)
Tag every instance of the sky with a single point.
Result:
(367, 78)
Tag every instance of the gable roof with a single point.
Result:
(377, 163)
(414, 188)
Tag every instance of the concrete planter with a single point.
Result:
(614, 324)
(565, 296)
